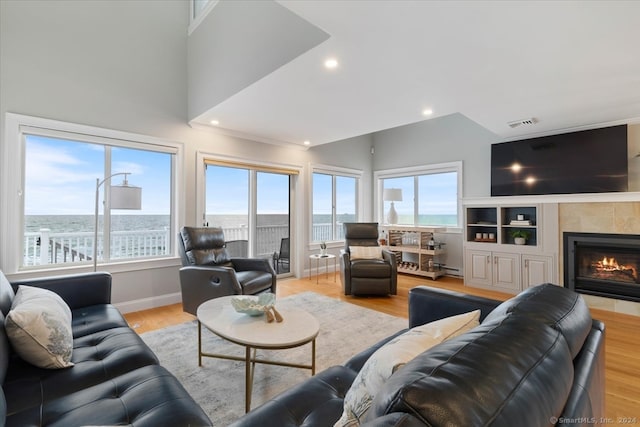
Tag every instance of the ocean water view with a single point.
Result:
(53, 239)
(85, 223)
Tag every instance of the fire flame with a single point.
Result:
(610, 263)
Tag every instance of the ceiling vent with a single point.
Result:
(523, 122)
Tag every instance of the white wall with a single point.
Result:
(441, 140)
(444, 139)
(123, 66)
(237, 44)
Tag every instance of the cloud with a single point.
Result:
(45, 166)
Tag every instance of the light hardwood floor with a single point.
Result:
(622, 339)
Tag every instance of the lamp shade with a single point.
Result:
(392, 195)
(125, 197)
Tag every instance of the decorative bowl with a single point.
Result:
(252, 305)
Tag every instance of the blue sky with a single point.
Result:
(228, 192)
(438, 194)
(60, 176)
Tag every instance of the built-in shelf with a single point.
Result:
(493, 259)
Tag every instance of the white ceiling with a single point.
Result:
(566, 64)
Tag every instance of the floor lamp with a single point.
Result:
(392, 195)
(123, 196)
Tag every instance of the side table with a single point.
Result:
(326, 258)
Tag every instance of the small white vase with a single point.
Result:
(323, 252)
(520, 240)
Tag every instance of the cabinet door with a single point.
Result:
(478, 269)
(506, 271)
(536, 270)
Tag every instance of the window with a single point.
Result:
(334, 202)
(430, 195)
(252, 204)
(199, 9)
(61, 169)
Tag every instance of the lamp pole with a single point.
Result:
(95, 230)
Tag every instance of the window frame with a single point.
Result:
(196, 19)
(379, 176)
(333, 171)
(294, 171)
(13, 181)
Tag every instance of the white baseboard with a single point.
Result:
(147, 303)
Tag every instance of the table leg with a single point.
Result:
(199, 343)
(247, 381)
(313, 357)
(317, 270)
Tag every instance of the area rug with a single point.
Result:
(218, 386)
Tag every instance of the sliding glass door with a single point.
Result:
(253, 208)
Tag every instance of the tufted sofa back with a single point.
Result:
(203, 246)
(522, 359)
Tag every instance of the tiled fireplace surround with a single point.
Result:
(601, 217)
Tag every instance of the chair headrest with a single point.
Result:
(360, 234)
(204, 245)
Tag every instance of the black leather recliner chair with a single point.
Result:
(209, 272)
(376, 276)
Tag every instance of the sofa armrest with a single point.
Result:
(428, 304)
(253, 264)
(345, 271)
(202, 283)
(77, 290)
(587, 398)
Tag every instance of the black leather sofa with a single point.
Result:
(535, 360)
(115, 380)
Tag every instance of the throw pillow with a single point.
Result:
(39, 328)
(365, 252)
(392, 356)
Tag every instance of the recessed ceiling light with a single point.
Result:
(516, 167)
(331, 63)
(214, 122)
(427, 112)
(307, 142)
(530, 180)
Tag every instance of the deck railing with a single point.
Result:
(46, 247)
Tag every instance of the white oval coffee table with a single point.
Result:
(297, 328)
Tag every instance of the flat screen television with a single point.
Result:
(590, 161)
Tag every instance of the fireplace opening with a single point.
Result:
(600, 264)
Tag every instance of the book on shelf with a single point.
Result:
(520, 222)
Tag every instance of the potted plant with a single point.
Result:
(520, 236)
(323, 248)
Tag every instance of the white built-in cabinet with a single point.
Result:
(537, 269)
(493, 269)
(493, 260)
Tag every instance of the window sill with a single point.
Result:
(114, 267)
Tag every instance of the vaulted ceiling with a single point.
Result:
(564, 64)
